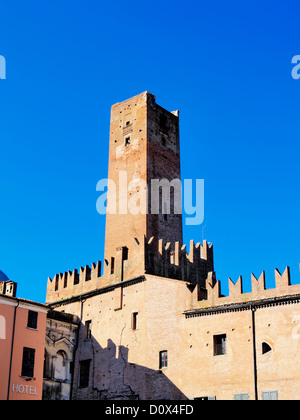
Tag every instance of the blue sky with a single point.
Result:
(225, 65)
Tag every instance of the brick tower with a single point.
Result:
(144, 208)
(144, 145)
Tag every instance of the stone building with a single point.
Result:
(153, 323)
(61, 342)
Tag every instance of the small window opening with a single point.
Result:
(127, 141)
(163, 359)
(88, 330)
(266, 348)
(163, 124)
(112, 265)
(127, 123)
(125, 253)
(135, 321)
(220, 345)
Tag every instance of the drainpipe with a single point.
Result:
(12, 349)
(253, 310)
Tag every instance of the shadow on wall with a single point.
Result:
(105, 374)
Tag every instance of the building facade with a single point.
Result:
(153, 323)
(22, 344)
(61, 342)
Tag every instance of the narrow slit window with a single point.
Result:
(127, 141)
(112, 266)
(88, 330)
(134, 321)
(125, 253)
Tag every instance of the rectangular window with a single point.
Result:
(220, 345)
(125, 253)
(84, 377)
(269, 395)
(112, 265)
(28, 362)
(163, 359)
(127, 141)
(88, 330)
(134, 322)
(241, 397)
(32, 320)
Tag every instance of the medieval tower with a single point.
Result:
(144, 145)
(153, 323)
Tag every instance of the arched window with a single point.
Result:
(266, 348)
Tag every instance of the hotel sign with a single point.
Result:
(24, 389)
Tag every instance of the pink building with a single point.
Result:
(22, 344)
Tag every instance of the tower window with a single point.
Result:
(163, 122)
(127, 141)
(127, 123)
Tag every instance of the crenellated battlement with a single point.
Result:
(211, 296)
(151, 256)
(73, 283)
(173, 261)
